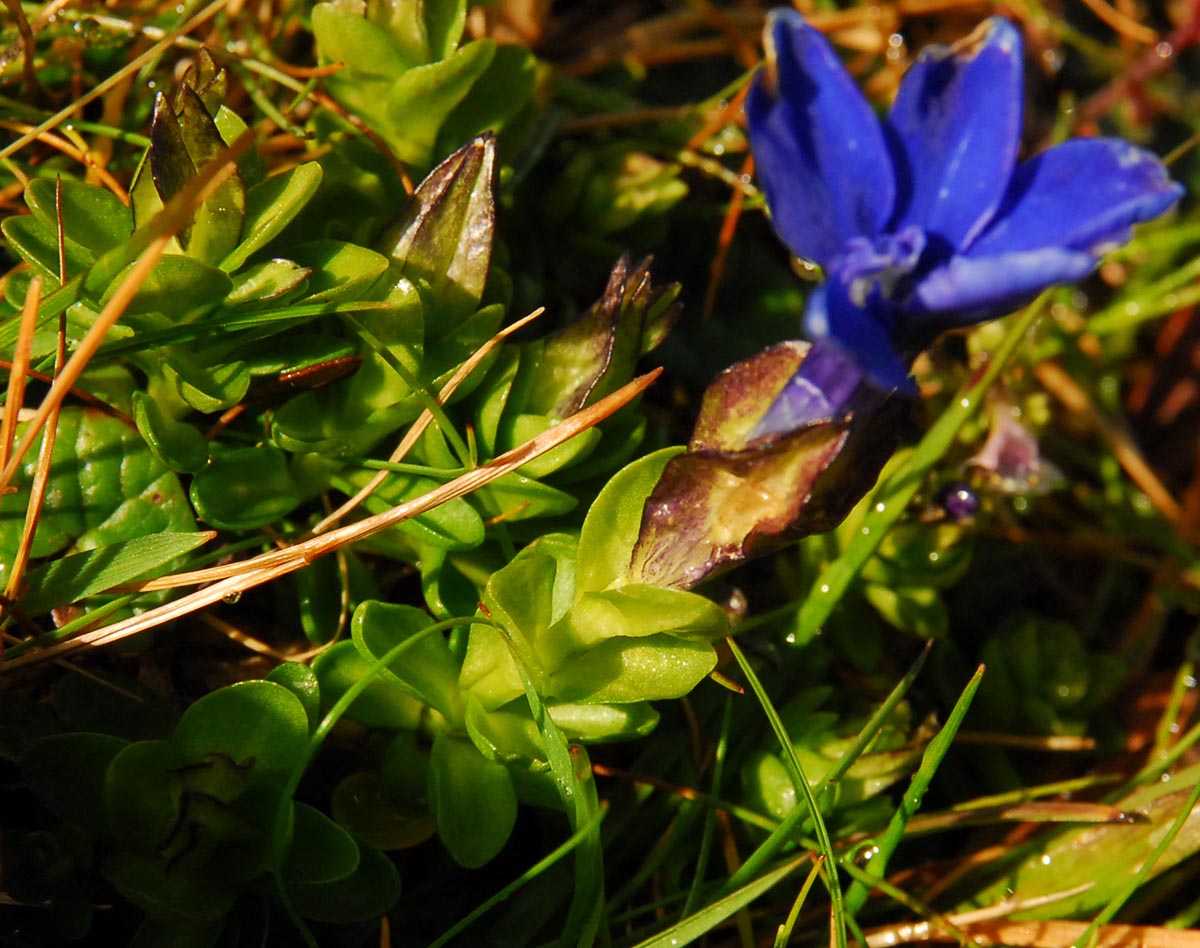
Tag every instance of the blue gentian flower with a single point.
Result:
(925, 221)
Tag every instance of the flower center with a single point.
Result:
(877, 265)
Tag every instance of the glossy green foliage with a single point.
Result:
(407, 76)
(184, 825)
(108, 489)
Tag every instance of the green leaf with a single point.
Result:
(177, 287)
(71, 578)
(445, 235)
(302, 682)
(472, 800)
(195, 893)
(611, 527)
(253, 721)
(175, 443)
(521, 598)
(340, 270)
(105, 487)
(207, 388)
(526, 427)
(428, 669)
(384, 704)
(499, 94)
(368, 893)
(321, 851)
(269, 281)
(915, 609)
(245, 488)
(621, 670)
(38, 246)
(141, 795)
(270, 207)
(444, 23)
(632, 611)
(422, 98)
(92, 217)
(506, 735)
(369, 51)
(599, 723)
(363, 804)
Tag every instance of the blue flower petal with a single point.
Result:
(1084, 195)
(824, 387)
(969, 290)
(956, 127)
(818, 148)
(862, 333)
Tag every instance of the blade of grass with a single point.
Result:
(800, 781)
(704, 921)
(710, 819)
(911, 801)
(539, 867)
(577, 790)
(784, 935)
(785, 832)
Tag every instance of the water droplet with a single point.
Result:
(866, 531)
(232, 598)
(718, 149)
(880, 507)
(790, 638)
(964, 403)
(933, 557)
(1045, 860)
(1164, 50)
(745, 178)
(1165, 778)
(1189, 681)
(825, 588)
(1132, 309)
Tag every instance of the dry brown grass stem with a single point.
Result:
(1054, 934)
(1117, 436)
(15, 396)
(271, 565)
(413, 435)
(74, 153)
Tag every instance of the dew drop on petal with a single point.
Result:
(1164, 50)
